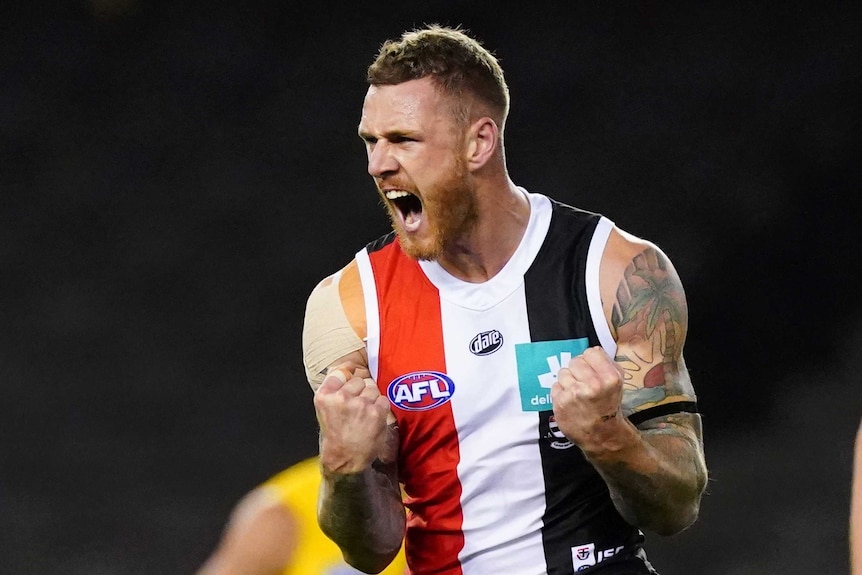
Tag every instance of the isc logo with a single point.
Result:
(486, 342)
(420, 390)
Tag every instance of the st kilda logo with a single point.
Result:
(486, 342)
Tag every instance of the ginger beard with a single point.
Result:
(449, 211)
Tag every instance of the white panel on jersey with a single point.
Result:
(481, 296)
(500, 469)
(372, 316)
(594, 296)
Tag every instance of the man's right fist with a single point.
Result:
(352, 416)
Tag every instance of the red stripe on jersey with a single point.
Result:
(411, 340)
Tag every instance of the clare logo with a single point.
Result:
(420, 390)
(486, 342)
(538, 364)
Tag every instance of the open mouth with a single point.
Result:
(409, 205)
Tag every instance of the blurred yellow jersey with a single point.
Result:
(296, 488)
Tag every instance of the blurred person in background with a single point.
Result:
(273, 530)
(856, 508)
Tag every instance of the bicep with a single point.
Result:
(334, 325)
(647, 312)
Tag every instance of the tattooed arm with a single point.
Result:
(359, 503)
(655, 471)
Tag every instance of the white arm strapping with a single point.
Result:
(326, 334)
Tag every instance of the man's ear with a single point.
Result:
(483, 139)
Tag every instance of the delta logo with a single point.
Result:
(420, 390)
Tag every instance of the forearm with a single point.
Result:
(656, 477)
(363, 514)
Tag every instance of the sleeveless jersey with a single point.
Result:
(296, 488)
(491, 484)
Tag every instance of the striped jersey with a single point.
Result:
(491, 484)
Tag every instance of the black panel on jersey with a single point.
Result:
(555, 290)
(381, 242)
(579, 509)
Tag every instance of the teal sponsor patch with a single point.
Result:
(538, 364)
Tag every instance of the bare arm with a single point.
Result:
(655, 472)
(259, 539)
(359, 506)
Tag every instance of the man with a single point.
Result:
(513, 363)
(273, 531)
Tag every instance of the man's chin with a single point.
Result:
(416, 250)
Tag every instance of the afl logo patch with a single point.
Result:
(486, 342)
(420, 390)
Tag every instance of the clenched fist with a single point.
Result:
(352, 416)
(587, 399)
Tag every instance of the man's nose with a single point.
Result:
(380, 159)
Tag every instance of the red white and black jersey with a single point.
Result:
(492, 485)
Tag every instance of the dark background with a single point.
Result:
(175, 177)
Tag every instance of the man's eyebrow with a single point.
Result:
(390, 135)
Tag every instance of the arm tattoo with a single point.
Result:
(650, 319)
(659, 486)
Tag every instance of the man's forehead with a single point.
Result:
(409, 102)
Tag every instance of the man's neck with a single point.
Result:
(479, 256)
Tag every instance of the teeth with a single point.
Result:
(393, 194)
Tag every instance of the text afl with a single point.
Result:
(420, 390)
